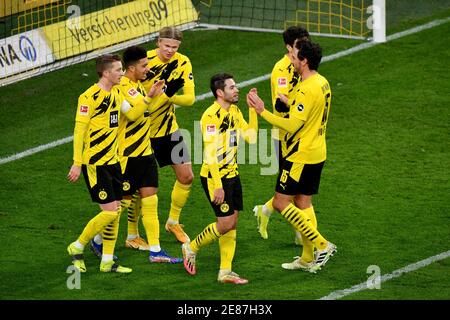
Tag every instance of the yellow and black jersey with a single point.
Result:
(311, 104)
(221, 131)
(283, 79)
(98, 115)
(177, 72)
(134, 134)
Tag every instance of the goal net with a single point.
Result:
(359, 19)
(37, 36)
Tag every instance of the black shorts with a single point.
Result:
(139, 172)
(170, 149)
(233, 196)
(299, 178)
(104, 182)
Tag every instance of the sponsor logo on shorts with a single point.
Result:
(126, 186)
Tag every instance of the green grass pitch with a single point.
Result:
(383, 199)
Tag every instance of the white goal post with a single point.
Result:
(329, 18)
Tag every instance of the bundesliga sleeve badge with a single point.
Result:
(84, 110)
(132, 92)
(211, 129)
(282, 82)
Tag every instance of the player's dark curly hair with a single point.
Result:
(218, 82)
(310, 51)
(293, 33)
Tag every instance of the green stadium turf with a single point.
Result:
(383, 198)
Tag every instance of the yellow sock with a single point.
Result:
(96, 225)
(308, 247)
(207, 236)
(133, 214)
(298, 219)
(109, 235)
(150, 219)
(269, 205)
(227, 245)
(180, 194)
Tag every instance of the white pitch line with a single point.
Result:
(246, 83)
(395, 274)
(31, 151)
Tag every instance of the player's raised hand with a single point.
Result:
(156, 89)
(74, 173)
(172, 86)
(250, 102)
(255, 101)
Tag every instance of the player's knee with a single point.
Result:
(225, 226)
(111, 207)
(186, 178)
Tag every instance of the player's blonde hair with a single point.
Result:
(170, 33)
(104, 62)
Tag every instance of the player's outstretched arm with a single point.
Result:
(78, 137)
(186, 99)
(290, 125)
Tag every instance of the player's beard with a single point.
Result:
(233, 99)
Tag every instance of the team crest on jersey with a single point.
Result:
(211, 129)
(282, 82)
(84, 110)
(300, 107)
(102, 195)
(133, 92)
(224, 207)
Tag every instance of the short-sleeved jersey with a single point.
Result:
(222, 130)
(163, 119)
(134, 136)
(282, 80)
(311, 104)
(101, 111)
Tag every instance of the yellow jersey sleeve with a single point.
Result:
(210, 133)
(279, 82)
(82, 119)
(249, 130)
(302, 105)
(85, 109)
